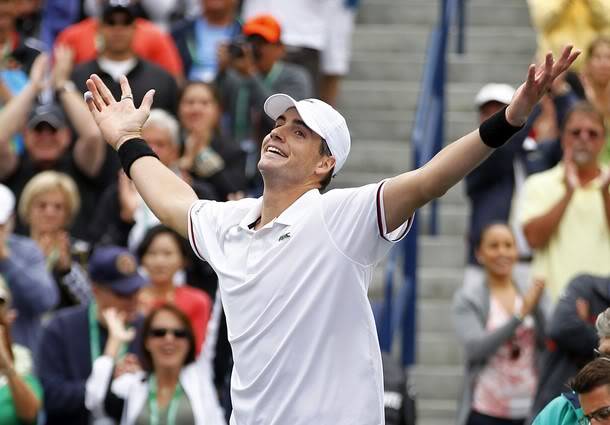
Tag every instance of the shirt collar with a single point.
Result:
(288, 217)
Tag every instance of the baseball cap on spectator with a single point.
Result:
(265, 26)
(321, 118)
(7, 204)
(115, 268)
(49, 113)
(494, 92)
(111, 6)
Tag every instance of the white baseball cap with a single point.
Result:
(7, 203)
(494, 92)
(322, 118)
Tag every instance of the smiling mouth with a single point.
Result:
(276, 151)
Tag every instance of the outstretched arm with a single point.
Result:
(166, 194)
(407, 192)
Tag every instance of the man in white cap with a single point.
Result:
(294, 265)
(24, 268)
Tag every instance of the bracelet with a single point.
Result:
(495, 131)
(132, 150)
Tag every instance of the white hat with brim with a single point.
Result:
(7, 204)
(321, 118)
(494, 92)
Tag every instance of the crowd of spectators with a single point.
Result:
(537, 270)
(101, 307)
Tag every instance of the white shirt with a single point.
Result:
(303, 22)
(295, 296)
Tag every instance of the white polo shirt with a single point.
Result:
(295, 296)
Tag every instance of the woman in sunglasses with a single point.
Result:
(172, 387)
(20, 391)
(500, 327)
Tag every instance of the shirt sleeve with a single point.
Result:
(355, 220)
(539, 196)
(203, 227)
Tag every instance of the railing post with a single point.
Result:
(409, 312)
(461, 24)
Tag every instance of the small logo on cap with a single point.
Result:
(125, 264)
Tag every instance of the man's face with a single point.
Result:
(583, 138)
(595, 402)
(291, 152)
(105, 298)
(160, 141)
(265, 54)
(118, 30)
(46, 144)
(486, 110)
(218, 6)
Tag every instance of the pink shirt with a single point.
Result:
(506, 385)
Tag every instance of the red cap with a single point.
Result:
(264, 25)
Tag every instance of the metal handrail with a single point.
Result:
(426, 140)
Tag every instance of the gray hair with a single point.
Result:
(162, 119)
(602, 324)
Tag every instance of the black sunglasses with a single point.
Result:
(591, 134)
(600, 415)
(161, 332)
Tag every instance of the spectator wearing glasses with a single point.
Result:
(500, 325)
(565, 211)
(75, 337)
(565, 409)
(592, 384)
(178, 388)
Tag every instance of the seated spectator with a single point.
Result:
(198, 39)
(565, 409)
(117, 30)
(149, 42)
(74, 338)
(575, 22)
(250, 72)
(161, 13)
(48, 205)
(163, 254)
(178, 387)
(306, 27)
(48, 138)
(565, 211)
(572, 335)
(595, 78)
(22, 265)
(208, 156)
(17, 51)
(592, 384)
(501, 327)
(20, 391)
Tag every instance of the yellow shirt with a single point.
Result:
(581, 243)
(562, 22)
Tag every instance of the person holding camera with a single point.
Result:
(251, 70)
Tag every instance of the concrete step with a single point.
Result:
(422, 12)
(441, 251)
(434, 316)
(439, 349)
(463, 68)
(439, 283)
(364, 96)
(383, 156)
(452, 219)
(438, 382)
(436, 411)
(406, 40)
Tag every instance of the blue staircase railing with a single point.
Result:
(399, 313)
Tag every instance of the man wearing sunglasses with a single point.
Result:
(592, 384)
(75, 337)
(565, 211)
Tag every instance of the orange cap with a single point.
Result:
(264, 25)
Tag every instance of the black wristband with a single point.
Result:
(495, 130)
(132, 150)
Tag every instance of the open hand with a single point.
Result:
(538, 82)
(532, 297)
(120, 120)
(116, 323)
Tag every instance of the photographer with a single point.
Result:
(251, 70)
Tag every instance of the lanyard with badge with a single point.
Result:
(172, 410)
(94, 335)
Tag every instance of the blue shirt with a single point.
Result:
(205, 52)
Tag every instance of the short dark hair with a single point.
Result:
(487, 227)
(593, 375)
(325, 151)
(155, 231)
(145, 358)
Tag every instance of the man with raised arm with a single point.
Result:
(295, 264)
